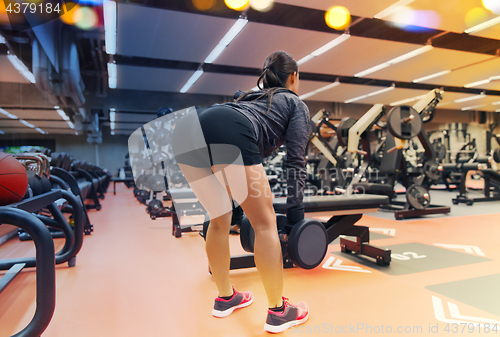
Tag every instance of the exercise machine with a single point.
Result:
(403, 123)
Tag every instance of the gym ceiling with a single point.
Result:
(161, 44)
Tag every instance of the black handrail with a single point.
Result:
(45, 268)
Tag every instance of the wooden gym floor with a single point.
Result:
(133, 278)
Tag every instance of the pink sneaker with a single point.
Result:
(223, 308)
(292, 315)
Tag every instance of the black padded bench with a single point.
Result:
(305, 243)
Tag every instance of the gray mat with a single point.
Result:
(480, 292)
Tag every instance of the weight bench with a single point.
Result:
(305, 244)
(186, 198)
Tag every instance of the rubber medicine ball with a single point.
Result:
(13, 180)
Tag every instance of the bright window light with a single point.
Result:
(226, 40)
(112, 115)
(2, 40)
(41, 131)
(398, 59)
(441, 73)
(112, 125)
(1, 132)
(8, 114)
(71, 125)
(27, 124)
(110, 26)
(197, 74)
(393, 8)
(19, 65)
(112, 133)
(496, 103)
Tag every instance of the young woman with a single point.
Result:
(237, 136)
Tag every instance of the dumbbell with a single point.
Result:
(304, 243)
(56, 159)
(142, 196)
(496, 155)
(155, 208)
(156, 183)
(37, 169)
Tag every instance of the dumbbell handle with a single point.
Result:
(392, 149)
(408, 119)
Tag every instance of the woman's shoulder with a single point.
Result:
(294, 99)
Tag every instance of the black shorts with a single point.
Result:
(230, 137)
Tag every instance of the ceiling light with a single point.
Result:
(226, 40)
(483, 25)
(109, 8)
(8, 114)
(324, 49)
(372, 70)
(62, 114)
(474, 84)
(474, 107)
(330, 45)
(482, 95)
(393, 8)
(19, 65)
(398, 59)
(309, 94)
(441, 73)
(408, 100)
(27, 124)
(411, 54)
(317, 91)
(112, 79)
(305, 59)
(329, 86)
(370, 94)
(197, 74)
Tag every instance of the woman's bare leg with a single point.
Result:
(249, 186)
(214, 197)
(254, 195)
